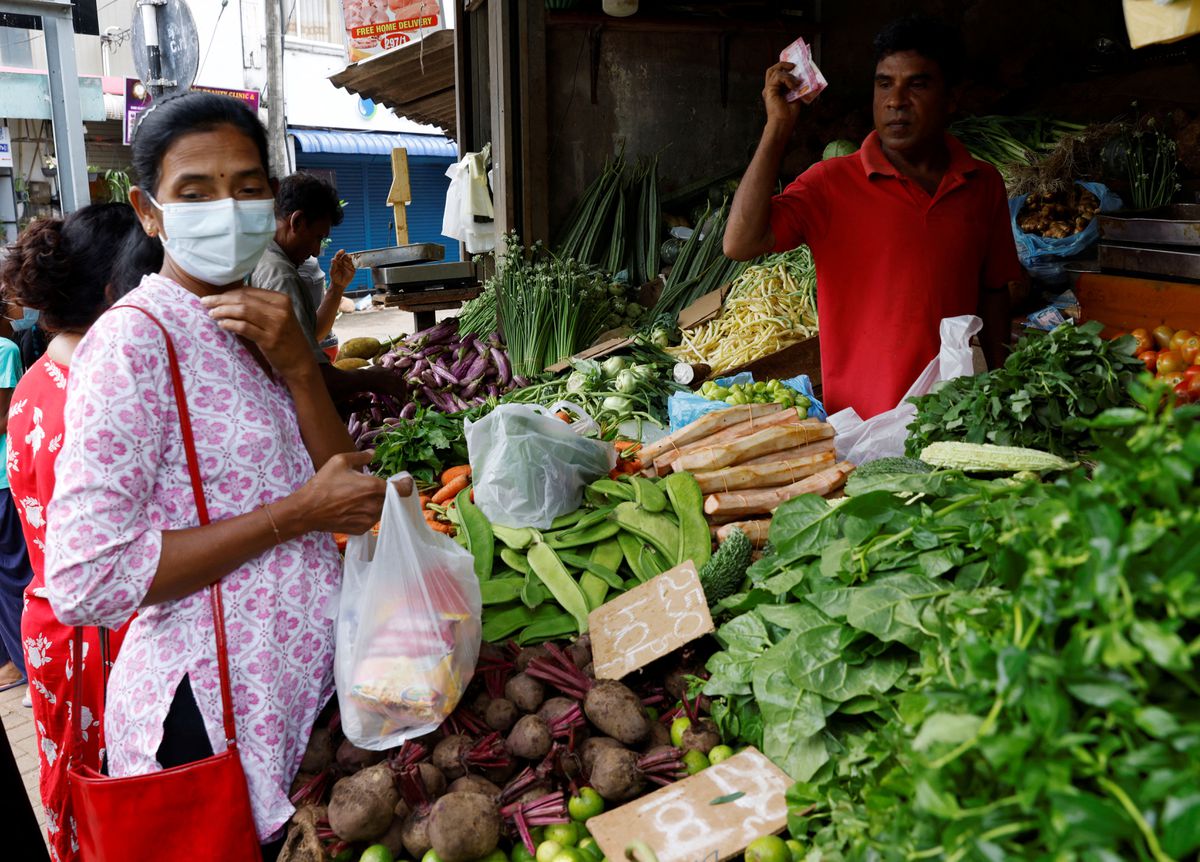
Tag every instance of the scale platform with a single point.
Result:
(426, 288)
(1163, 242)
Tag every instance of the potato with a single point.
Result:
(464, 826)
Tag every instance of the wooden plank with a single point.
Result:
(1123, 302)
(400, 221)
(505, 119)
(401, 191)
(535, 147)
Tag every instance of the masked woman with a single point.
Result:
(276, 467)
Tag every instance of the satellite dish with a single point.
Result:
(166, 49)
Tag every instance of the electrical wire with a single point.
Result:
(208, 50)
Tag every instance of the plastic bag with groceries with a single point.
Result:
(408, 627)
(812, 82)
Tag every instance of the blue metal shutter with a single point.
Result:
(349, 177)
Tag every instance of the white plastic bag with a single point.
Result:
(882, 436)
(528, 466)
(469, 196)
(408, 629)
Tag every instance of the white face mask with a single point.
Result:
(218, 242)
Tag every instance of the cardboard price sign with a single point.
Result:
(709, 817)
(650, 621)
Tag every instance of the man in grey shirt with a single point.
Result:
(306, 209)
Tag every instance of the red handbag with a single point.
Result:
(199, 810)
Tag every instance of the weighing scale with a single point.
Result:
(415, 278)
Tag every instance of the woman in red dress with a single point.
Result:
(70, 270)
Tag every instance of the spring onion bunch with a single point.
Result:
(550, 307)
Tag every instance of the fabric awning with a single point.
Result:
(372, 143)
(416, 81)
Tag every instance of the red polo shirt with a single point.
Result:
(892, 262)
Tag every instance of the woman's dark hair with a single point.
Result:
(932, 38)
(192, 112)
(310, 195)
(63, 267)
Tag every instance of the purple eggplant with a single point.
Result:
(441, 333)
(476, 369)
(409, 411)
(368, 438)
(444, 376)
(519, 381)
(401, 362)
(376, 416)
(419, 365)
(471, 388)
(493, 390)
(501, 359)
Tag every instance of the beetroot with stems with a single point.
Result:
(702, 736)
(556, 706)
(580, 651)
(543, 811)
(319, 753)
(526, 655)
(592, 747)
(531, 738)
(464, 826)
(612, 707)
(501, 714)
(525, 692)
(619, 774)
(351, 758)
(363, 805)
(474, 784)
(448, 754)
(415, 832)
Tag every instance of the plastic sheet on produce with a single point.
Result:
(684, 408)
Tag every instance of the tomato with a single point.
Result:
(586, 805)
(1169, 361)
(1183, 394)
(1150, 357)
(1194, 387)
(1143, 339)
(678, 726)
(565, 834)
(695, 761)
(1162, 337)
(1180, 336)
(1190, 349)
(769, 848)
(1171, 378)
(719, 753)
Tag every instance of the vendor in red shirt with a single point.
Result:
(907, 231)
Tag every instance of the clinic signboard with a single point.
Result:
(138, 101)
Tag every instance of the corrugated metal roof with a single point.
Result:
(372, 143)
(416, 81)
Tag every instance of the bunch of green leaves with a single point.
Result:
(986, 670)
(425, 445)
(1046, 381)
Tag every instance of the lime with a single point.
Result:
(571, 854)
(377, 853)
(346, 855)
(566, 834)
(589, 846)
(520, 853)
(546, 851)
(768, 848)
(431, 856)
(678, 726)
(718, 753)
(496, 855)
(695, 761)
(796, 849)
(587, 804)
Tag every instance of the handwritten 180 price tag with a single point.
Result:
(650, 621)
(709, 817)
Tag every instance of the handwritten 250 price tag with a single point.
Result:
(650, 621)
(710, 817)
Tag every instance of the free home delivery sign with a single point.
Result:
(376, 26)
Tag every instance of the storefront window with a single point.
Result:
(315, 20)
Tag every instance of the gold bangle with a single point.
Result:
(274, 526)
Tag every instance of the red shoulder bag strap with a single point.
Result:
(214, 591)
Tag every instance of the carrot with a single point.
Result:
(451, 489)
(429, 515)
(626, 445)
(424, 500)
(759, 443)
(564, 416)
(454, 472)
(761, 502)
(448, 529)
